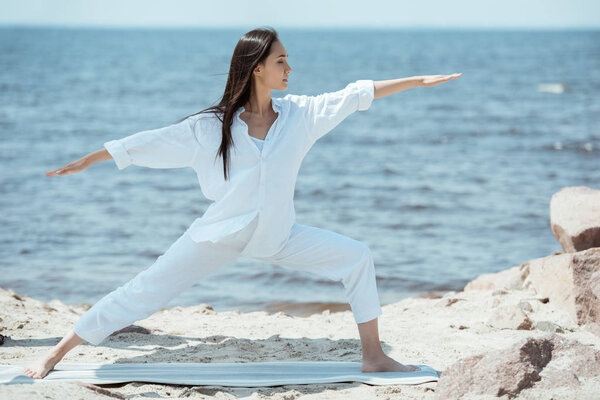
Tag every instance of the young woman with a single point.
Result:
(246, 151)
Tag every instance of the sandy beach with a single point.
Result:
(440, 331)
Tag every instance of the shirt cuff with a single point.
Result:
(118, 153)
(366, 93)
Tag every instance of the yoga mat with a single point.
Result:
(247, 374)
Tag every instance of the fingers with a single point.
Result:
(59, 171)
(446, 78)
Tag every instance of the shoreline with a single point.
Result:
(430, 329)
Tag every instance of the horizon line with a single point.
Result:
(303, 27)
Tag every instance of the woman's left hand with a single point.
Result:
(432, 80)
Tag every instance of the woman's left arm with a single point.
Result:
(385, 88)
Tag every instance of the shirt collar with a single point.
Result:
(276, 106)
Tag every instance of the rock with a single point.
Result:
(511, 279)
(100, 390)
(132, 329)
(556, 378)
(498, 373)
(429, 295)
(509, 317)
(575, 218)
(46, 307)
(548, 362)
(571, 281)
(16, 296)
(571, 355)
(449, 302)
(548, 326)
(204, 309)
(525, 306)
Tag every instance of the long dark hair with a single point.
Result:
(252, 49)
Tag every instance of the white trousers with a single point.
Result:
(315, 250)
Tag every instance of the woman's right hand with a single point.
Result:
(71, 168)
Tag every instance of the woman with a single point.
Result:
(246, 152)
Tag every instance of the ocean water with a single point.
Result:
(442, 183)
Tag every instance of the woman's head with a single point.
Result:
(259, 60)
(272, 71)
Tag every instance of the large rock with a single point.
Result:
(511, 279)
(571, 282)
(547, 362)
(575, 218)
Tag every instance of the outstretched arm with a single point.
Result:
(173, 146)
(385, 88)
(81, 164)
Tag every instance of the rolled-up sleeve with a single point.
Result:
(174, 146)
(327, 110)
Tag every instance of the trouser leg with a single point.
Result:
(337, 257)
(180, 267)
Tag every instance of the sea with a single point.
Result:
(443, 183)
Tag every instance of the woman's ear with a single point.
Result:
(258, 69)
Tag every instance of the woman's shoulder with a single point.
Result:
(207, 128)
(295, 100)
(205, 122)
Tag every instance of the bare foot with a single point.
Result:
(42, 368)
(386, 364)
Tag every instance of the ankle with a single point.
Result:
(373, 355)
(55, 355)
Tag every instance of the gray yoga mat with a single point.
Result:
(247, 374)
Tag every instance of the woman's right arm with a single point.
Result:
(81, 164)
(173, 146)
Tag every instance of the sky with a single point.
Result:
(401, 14)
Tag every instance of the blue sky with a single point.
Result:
(305, 13)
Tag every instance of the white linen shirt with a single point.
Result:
(260, 182)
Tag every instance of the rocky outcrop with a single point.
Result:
(575, 218)
(511, 279)
(547, 362)
(570, 282)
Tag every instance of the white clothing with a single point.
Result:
(311, 249)
(259, 143)
(260, 182)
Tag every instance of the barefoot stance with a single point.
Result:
(387, 364)
(41, 369)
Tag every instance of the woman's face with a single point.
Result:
(275, 70)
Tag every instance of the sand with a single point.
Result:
(420, 330)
